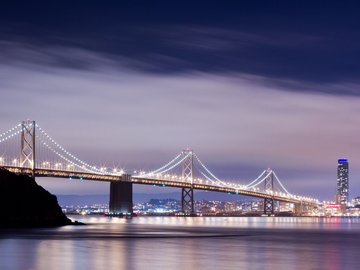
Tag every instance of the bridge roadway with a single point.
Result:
(150, 181)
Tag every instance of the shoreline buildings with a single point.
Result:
(342, 195)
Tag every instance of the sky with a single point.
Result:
(246, 84)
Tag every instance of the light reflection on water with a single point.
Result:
(186, 243)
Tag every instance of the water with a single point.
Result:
(186, 243)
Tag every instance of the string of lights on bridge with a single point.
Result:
(210, 178)
(71, 163)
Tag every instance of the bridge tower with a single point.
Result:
(27, 151)
(269, 187)
(187, 193)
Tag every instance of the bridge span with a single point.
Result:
(35, 146)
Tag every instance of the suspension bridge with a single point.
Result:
(28, 149)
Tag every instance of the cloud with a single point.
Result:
(280, 54)
(238, 124)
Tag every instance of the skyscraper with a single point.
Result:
(343, 181)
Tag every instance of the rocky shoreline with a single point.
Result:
(25, 204)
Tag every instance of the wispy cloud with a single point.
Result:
(238, 123)
(281, 55)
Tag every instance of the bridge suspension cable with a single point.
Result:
(176, 164)
(47, 145)
(209, 172)
(66, 159)
(10, 133)
(166, 165)
(260, 181)
(278, 180)
(212, 180)
(265, 177)
(84, 165)
(254, 181)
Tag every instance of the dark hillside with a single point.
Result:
(26, 204)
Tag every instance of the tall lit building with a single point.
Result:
(343, 181)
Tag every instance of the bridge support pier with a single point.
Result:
(187, 201)
(268, 206)
(299, 209)
(121, 196)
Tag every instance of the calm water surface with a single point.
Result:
(186, 243)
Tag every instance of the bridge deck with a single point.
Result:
(148, 181)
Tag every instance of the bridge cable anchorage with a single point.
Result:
(90, 168)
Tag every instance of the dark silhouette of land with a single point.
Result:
(26, 204)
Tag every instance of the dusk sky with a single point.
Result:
(246, 84)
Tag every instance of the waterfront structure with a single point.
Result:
(42, 156)
(230, 207)
(343, 182)
(356, 202)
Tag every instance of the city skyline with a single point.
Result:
(244, 95)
